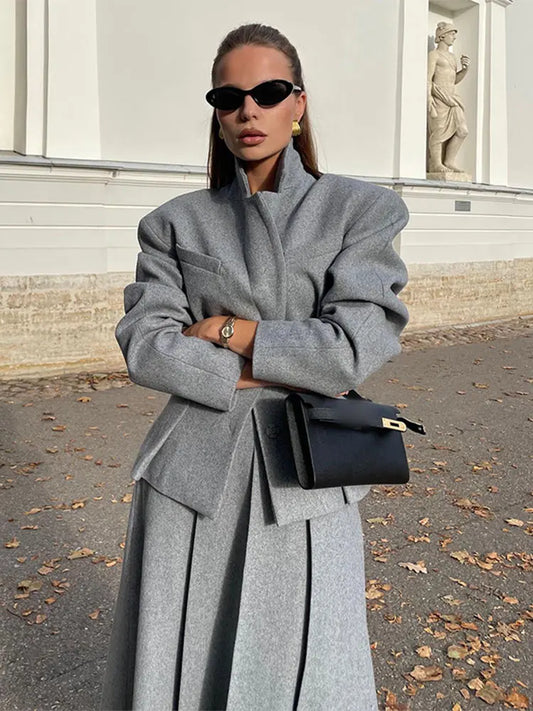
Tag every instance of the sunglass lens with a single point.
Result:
(268, 93)
(271, 92)
(225, 98)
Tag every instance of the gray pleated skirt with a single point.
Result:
(239, 613)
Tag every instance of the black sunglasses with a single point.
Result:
(269, 93)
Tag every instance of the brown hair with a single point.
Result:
(220, 163)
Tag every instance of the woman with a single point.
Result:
(240, 590)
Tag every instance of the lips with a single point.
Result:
(250, 132)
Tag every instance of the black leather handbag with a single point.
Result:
(346, 441)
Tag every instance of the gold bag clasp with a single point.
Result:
(393, 424)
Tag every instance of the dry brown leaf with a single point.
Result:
(423, 673)
(13, 543)
(82, 553)
(517, 700)
(418, 567)
(373, 593)
(30, 585)
(392, 703)
(457, 651)
(424, 651)
(490, 693)
(514, 522)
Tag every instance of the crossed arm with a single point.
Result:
(355, 332)
(241, 342)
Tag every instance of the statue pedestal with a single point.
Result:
(450, 176)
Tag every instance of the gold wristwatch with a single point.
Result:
(226, 332)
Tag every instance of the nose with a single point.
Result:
(248, 107)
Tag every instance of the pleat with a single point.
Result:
(338, 669)
(271, 622)
(118, 681)
(162, 599)
(238, 613)
(214, 591)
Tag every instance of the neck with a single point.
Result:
(261, 174)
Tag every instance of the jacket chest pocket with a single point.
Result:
(207, 263)
(202, 281)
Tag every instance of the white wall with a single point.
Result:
(155, 62)
(520, 92)
(7, 73)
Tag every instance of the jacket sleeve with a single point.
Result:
(156, 352)
(360, 315)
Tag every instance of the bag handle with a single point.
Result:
(357, 421)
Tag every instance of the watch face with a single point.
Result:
(227, 331)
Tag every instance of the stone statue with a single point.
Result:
(446, 118)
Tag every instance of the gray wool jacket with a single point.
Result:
(313, 262)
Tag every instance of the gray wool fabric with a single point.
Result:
(313, 263)
(238, 613)
(241, 591)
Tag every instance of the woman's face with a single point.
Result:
(245, 67)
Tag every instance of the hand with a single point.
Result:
(208, 329)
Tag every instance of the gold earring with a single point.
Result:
(296, 128)
(220, 134)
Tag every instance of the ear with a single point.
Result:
(301, 103)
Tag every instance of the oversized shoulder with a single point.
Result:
(357, 199)
(181, 210)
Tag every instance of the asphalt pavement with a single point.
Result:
(449, 555)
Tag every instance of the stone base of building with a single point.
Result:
(440, 295)
(51, 325)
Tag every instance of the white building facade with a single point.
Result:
(103, 117)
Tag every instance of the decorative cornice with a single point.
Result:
(502, 3)
(13, 158)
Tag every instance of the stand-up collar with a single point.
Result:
(290, 174)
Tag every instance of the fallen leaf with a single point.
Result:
(418, 567)
(82, 553)
(424, 651)
(490, 693)
(457, 651)
(423, 673)
(517, 700)
(514, 522)
(30, 585)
